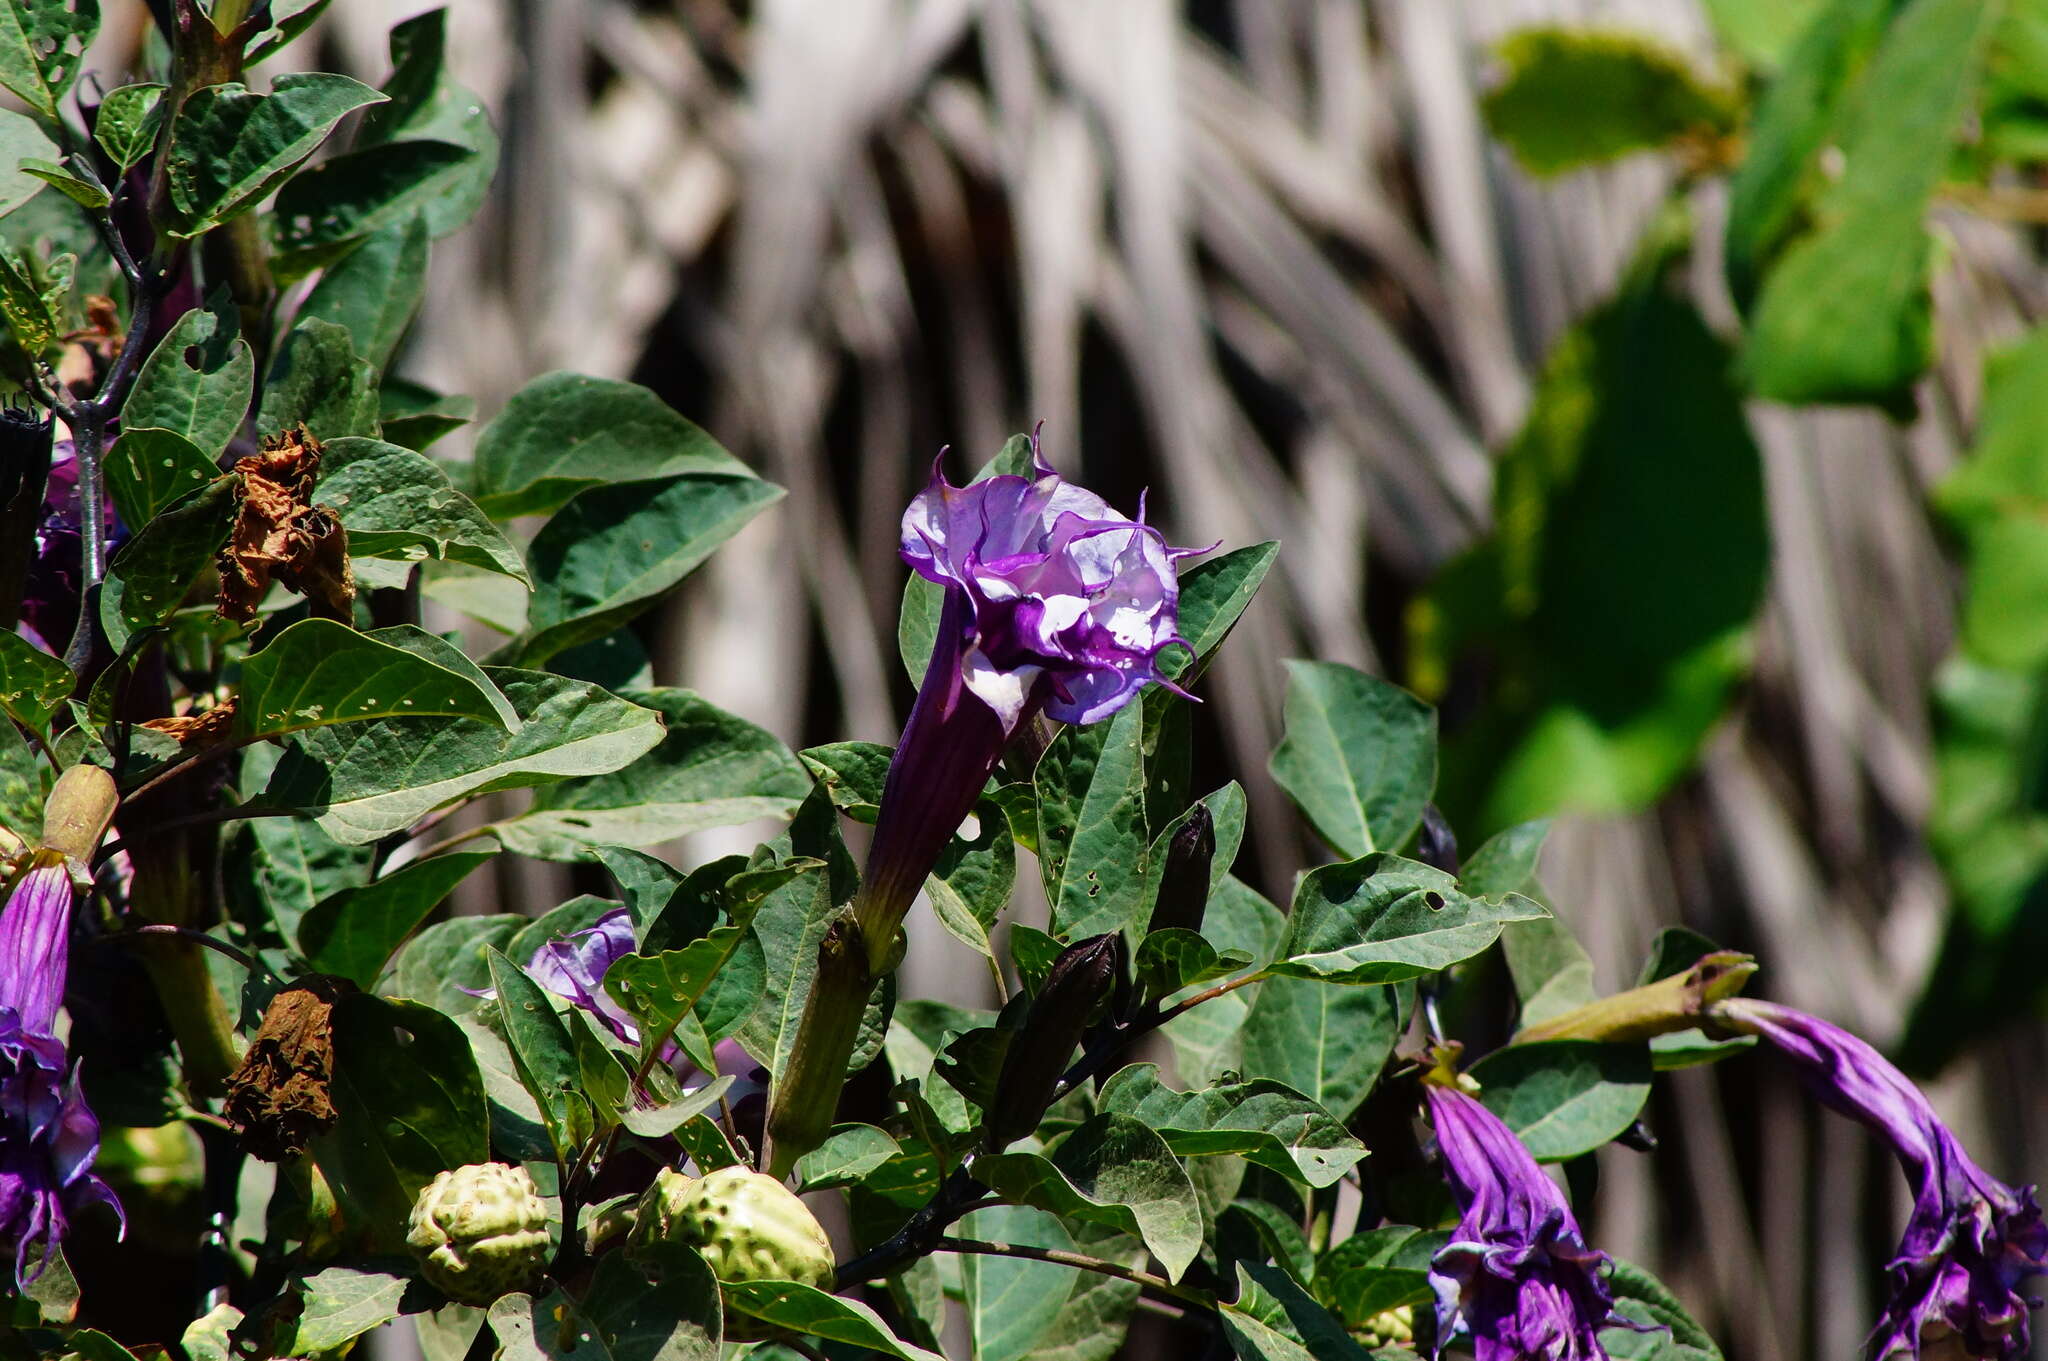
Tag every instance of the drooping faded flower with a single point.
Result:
(1971, 1239)
(48, 1136)
(1517, 1275)
(1055, 604)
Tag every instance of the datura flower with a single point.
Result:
(1517, 1276)
(1971, 1240)
(49, 1137)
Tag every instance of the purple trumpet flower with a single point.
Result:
(1055, 604)
(1517, 1275)
(574, 966)
(49, 1137)
(1971, 1239)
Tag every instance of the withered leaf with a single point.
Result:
(279, 534)
(279, 1099)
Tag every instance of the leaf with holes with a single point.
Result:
(41, 47)
(319, 672)
(1381, 919)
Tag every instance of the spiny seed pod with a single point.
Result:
(480, 1231)
(1083, 974)
(1184, 878)
(1389, 1328)
(747, 1227)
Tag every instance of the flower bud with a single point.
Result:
(1678, 1002)
(1184, 878)
(80, 806)
(1083, 975)
(480, 1231)
(747, 1226)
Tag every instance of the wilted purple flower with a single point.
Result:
(1054, 603)
(1517, 1274)
(48, 1136)
(1971, 1239)
(574, 966)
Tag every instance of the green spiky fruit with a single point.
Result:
(746, 1226)
(480, 1231)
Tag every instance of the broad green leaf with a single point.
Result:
(1674, 1335)
(917, 624)
(791, 921)
(407, 1108)
(206, 1338)
(342, 1303)
(197, 381)
(354, 932)
(149, 469)
(622, 1316)
(20, 140)
(276, 869)
(374, 290)
(1846, 313)
(414, 417)
(1359, 757)
(1381, 919)
(563, 433)
(395, 503)
(1272, 1298)
(1174, 957)
(151, 575)
(318, 381)
(128, 121)
(33, 684)
(426, 105)
(288, 19)
(972, 879)
(726, 968)
(21, 787)
(1098, 1308)
(1327, 1042)
(1213, 594)
(319, 672)
(1261, 1121)
(1095, 842)
(711, 769)
(86, 193)
(848, 1154)
(322, 210)
(612, 552)
(1578, 97)
(811, 1312)
(1762, 31)
(646, 883)
(1012, 1302)
(655, 1119)
(231, 147)
(363, 781)
(41, 46)
(32, 298)
(1377, 1270)
(544, 1055)
(446, 964)
(1565, 1097)
(1110, 1170)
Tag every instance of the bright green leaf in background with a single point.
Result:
(1578, 97)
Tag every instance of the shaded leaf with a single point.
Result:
(318, 381)
(147, 470)
(374, 290)
(319, 672)
(353, 933)
(231, 147)
(623, 1315)
(197, 382)
(1260, 1121)
(395, 503)
(149, 578)
(1565, 1097)
(1327, 1042)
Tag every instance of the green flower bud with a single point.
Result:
(480, 1231)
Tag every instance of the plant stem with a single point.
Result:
(959, 1196)
(1092, 1062)
(1076, 1260)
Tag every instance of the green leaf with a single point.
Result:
(1381, 919)
(149, 469)
(1095, 838)
(1261, 1121)
(1271, 1297)
(1110, 1170)
(20, 140)
(41, 46)
(374, 290)
(813, 1313)
(446, 964)
(33, 684)
(1565, 1097)
(395, 503)
(414, 417)
(544, 1055)
(1644, 1298)
(711, 769)
(353, 933)
(364, 781)
(230, 147)
(288, 19)
(21, 782)
(428, 106)
(87, 194)
(848, 1154)
(1098, 1308)
(917, 624)
(318, 381)
(1328, 1043)
(1359, 757)
(406, 1109)
(719, 977)
(1579, 97)
(321, 210)
(563, 433)
(1846, 313)
(319, 672)
(655, 1119)
(791, 921)
(342, 1303)
(149, 578)
(1377, 1270)
(1226, 808)
(622, 1316)
(1173, 958)
(128, 121)
(1012, 1302)
(32, 298)
(1213, 595)
(612, 552)
(278, 868)
(197, 381)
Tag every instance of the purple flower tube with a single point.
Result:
(1971, 1239)
(49, 1137)
(1517, 1275)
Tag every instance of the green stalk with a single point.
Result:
(807, 1095)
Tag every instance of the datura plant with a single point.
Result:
(260, 1093)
